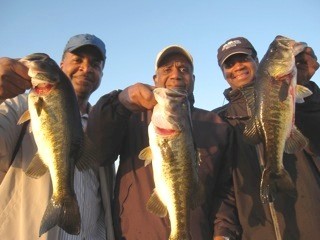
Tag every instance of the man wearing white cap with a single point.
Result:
(118, 125)
(23, 199)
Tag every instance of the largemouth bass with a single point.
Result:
(57, 129)
(272, 123)
(174, 161)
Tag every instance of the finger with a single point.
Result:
(20, 69)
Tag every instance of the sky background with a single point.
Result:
(134, 31)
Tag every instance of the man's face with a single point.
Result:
(239, 69)
(175, 71)
(84, 68)
(307, 65)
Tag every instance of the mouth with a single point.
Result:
(241, 75)
(165, 132)
(43, 88)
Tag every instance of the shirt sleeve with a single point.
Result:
(107, 125)
(10, 112)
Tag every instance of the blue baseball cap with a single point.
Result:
(81, 40)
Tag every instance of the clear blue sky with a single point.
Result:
(136, 30)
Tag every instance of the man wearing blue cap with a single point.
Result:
(23, 199)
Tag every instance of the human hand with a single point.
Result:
(307, 65)
(14, 79)
(138, 97)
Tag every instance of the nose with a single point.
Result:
(86, 66)
(176, 73)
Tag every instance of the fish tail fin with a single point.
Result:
(66, 215)
(271, 183)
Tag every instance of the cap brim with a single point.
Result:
(87, 44)
(170, 50)
(244, 51)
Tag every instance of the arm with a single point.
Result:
(14, 80)
(10, 112)
(226, 223)
(108, 119)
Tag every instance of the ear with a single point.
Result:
(155, 79)
(191, 89)
(61, 64)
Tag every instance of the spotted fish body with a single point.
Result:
(57, 129)
(272, 124)
(174, 161)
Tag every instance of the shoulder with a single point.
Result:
(206, 115)
(209, 120)
(210, 129)
(221, 110)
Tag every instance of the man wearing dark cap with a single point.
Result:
(118, 125)
(288, 217)
(23, 199)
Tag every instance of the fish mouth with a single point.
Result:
(166, 132)
(43, 88)
(298, 47)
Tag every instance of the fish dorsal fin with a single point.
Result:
(146, 155)
(88, 155)
(24, 117)
(296, 141)
(250, 133)
(156, 206)
(249, 95)
(36, 168)
(301, 93)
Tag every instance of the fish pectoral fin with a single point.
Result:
(36, 168)
(296, 141)
(301, 93)
(146, 155)
(250, 133)
(156, 206)
(284, 89)
(24, 117)
(88, 156)
(39, 105)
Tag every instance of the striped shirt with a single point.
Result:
(86, 186)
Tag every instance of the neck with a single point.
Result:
(83, 105)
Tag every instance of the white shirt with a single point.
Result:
(23, 200)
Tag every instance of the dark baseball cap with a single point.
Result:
(234, 46)
(81, 40)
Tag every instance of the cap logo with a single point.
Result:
(230, 44)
